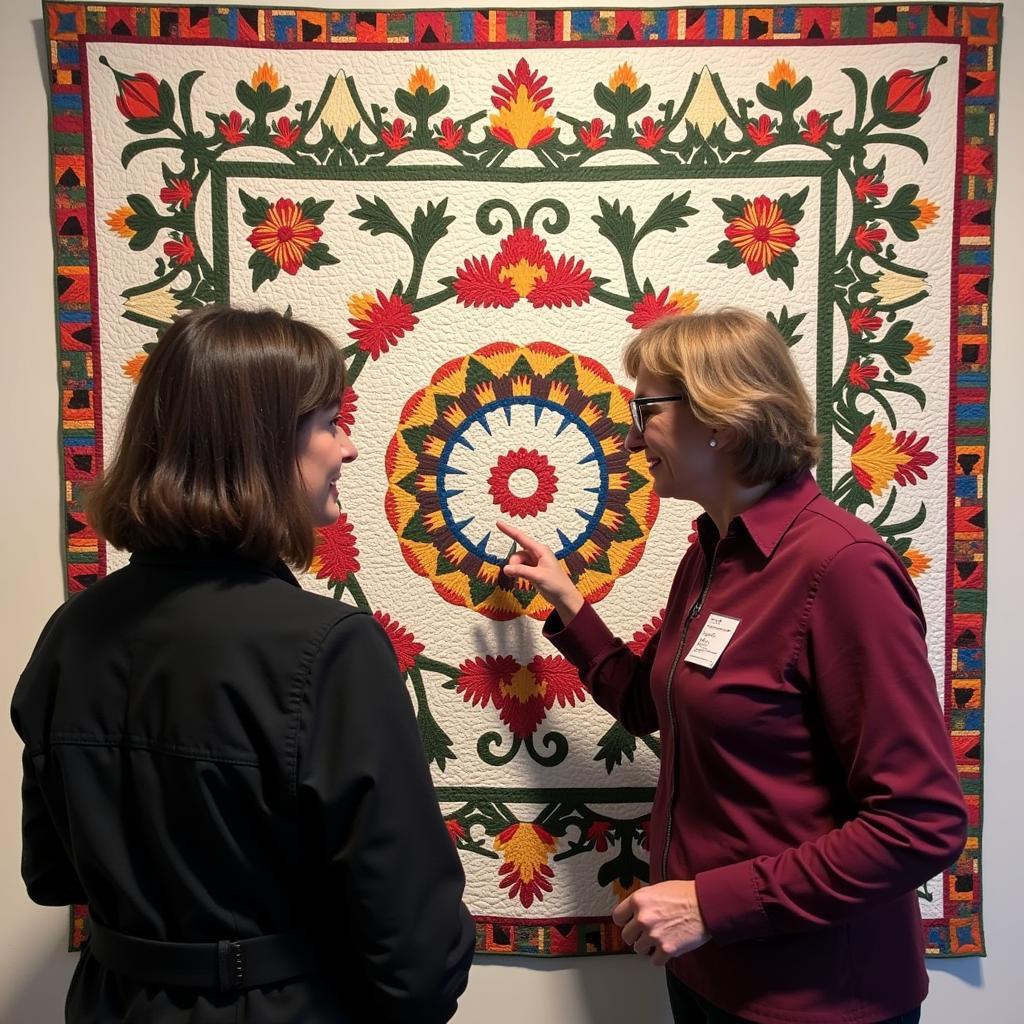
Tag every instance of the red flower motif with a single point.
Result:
(868, 239)
(521, 693)
(817, 128)
(861, 374)
(907, 92)
(522, 101)
(138, 96)
(649, 133)
(347, 410)
(179, 191)
(643, 636)
(451, 135)
(180, 252)
(598, 835)
(593, 137)
(285, 133)
(232, 128)
(379, 324)
(537, 469)
(523, 269)
(404, 643)
(395, 134)
(870, 185)
(863, 320)
(655, 307)
(760, 131)
(336, 553)
(456, 830)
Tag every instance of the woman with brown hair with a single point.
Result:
(807, 784)
(226, 768)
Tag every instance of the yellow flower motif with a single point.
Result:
(920, 347)
(706, 108)
(339, 112)
(522, 686)
(133, 368)
(359, 306)
(782, 72)
(524, 276)
(117, 221)
(158, 305)
(265, 74)
(917, 562)
(893, 287)
(878, 458)
(623, 75)
(421, 79)
(928, 212)
(522, 120)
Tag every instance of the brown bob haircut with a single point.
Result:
(208, 453)
(736, 371)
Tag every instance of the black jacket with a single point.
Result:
(213, 753)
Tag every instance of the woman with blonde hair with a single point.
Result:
(225, 767)
(807, 785)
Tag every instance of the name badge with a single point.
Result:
(713, 639)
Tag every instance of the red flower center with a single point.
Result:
(285, 232)
(523, 483)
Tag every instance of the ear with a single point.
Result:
(726, 438)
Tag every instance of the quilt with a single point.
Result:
(481, 206)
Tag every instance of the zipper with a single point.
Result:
(691, 615)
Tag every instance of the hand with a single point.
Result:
(662, 921)
(537, 564)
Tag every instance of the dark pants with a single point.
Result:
(690, 1008)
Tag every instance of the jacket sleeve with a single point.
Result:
(393, 876)
(867, 666)
(619, 679)
(50, 877)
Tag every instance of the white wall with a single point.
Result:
(36, 970)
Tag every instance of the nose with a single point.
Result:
(634, 440)
(349, 451)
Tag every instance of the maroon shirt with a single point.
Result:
(807, 781)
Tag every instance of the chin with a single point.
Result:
(327, 516)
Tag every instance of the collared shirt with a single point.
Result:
(807, 782)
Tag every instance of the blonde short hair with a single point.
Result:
(736, 371)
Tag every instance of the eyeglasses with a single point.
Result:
(637, 406)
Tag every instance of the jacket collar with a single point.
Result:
(767, 522)
(212, 558)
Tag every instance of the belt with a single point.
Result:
(227, 965)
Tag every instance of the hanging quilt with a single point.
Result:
(482, 206)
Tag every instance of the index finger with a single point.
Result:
(524, 540)
(622, 913)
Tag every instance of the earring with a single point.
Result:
(713, 443)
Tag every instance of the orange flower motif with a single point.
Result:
(522, 101)
(919, 347)
(623, 75)
(622, 890)
(526, 849)
(917, 562)
(265, 75)
(782, 72)
(421, 78)
(878, 458)
(928, 212)
(285, 236)
(761, 233)
(117, 221)
(133, 368)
